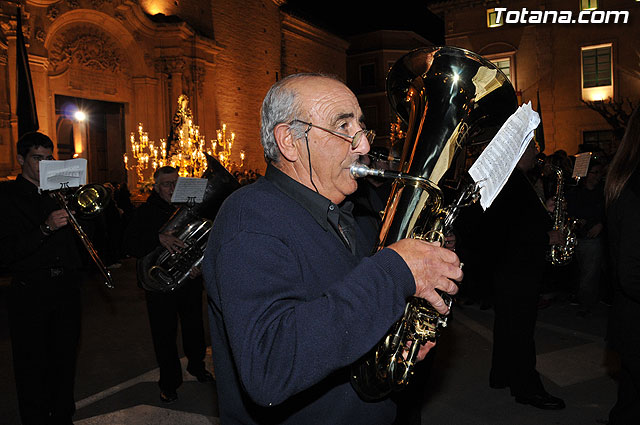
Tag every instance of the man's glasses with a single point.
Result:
(355, 140)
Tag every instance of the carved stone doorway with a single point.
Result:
(100, 137)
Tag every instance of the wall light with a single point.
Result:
(80, 116)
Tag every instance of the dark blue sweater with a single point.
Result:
(291, 309)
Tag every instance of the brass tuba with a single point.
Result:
(453, 102)
(162, 271)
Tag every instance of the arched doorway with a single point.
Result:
(99, 137)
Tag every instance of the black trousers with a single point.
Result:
(627, 407)
(513, 360)
(44, 323)
(164, 311)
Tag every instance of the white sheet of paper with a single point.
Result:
(56, 175)
(581, 166)
(496, 163)
(189, 189)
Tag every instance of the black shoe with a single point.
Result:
(485, 305)
(205, 376)
(168, 397)
(498, 384)
(542, 401)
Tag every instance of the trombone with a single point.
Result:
(88, 200)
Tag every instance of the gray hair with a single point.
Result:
(282, 105)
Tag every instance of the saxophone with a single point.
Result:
(562, 253)
(453, 102)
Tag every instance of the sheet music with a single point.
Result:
(496, 163)
(56, 175)
(189, 189)
(581, 166)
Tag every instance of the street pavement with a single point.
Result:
(117, 374)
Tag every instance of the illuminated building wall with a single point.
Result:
(548, 58)
(133, 59)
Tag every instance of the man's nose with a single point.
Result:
(363, 147)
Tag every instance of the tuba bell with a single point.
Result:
(163, 271)
(453, 102)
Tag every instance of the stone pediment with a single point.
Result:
(86, 47)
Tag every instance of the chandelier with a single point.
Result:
(146, 156)
(222, 147)
(184, 149)
(187, 153)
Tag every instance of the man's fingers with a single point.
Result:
(437, 302)
(455, 272)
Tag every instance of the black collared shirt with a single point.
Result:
(333, 218)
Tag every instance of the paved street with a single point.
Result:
(116, 381)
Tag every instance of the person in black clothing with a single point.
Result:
(522, 221)
(44, 259)
(585, 203)
(141, 238)
(622, 194)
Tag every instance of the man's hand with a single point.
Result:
(432, 267)
(550, 204)
(424, 350)
(595, 231)
(170, 242)
(57, 219)
(555, 237)
(450, 242)
(195, 272)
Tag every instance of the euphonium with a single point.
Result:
(453, 102)
(162, 271)
(562, 253)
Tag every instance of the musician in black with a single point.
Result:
(523, 224)
(43, 256)
(141, 238)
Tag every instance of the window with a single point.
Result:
(505, 62)
(597, 72)
(503, 65)
(599, 140)
(368, 75)
(588, 4)
(371, 117)
(596, 67)
(492, 19)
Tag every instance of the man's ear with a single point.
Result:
(20, 159)
(286, 142)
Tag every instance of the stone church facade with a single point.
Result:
(125, 62)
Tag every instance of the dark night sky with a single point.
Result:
(345, 18)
